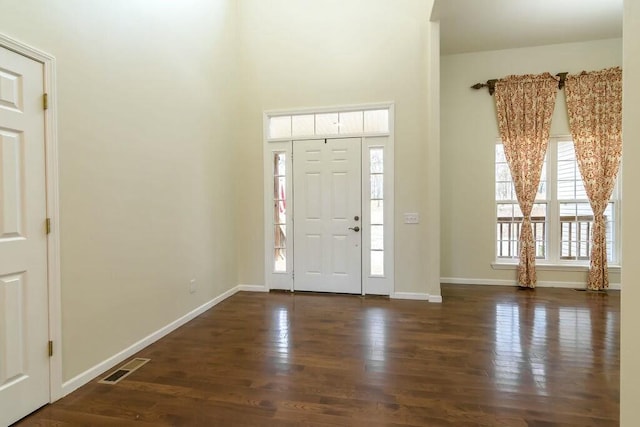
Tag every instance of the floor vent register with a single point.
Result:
(121, 373)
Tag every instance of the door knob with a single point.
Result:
(356, 228)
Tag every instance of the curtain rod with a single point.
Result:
(491, 83)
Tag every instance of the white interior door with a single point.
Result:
(24, 324)
(327, 218)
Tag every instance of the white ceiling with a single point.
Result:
(476, 25)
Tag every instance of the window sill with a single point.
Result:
(551, 267)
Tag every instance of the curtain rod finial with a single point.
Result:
(491, 84)
(563, 77)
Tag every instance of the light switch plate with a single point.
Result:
(411, 218)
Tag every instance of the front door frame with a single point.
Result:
(52, 189)
(284, 280)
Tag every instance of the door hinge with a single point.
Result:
(45, 101)
(50, 348)
(48, 225)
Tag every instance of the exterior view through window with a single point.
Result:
(561, 217)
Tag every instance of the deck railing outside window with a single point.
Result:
(575, 231)
(509, 230)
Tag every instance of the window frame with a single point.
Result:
(553, 231)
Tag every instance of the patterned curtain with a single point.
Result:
(524, 106)
(594, 101)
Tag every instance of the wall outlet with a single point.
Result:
(411, 218)
(192, 286)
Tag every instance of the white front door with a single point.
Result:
(327, 215)
(24, 324)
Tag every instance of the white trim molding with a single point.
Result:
(410, 295)
(435, 299)
(53, 211)
(417, 296)
(502, 282)
(97, 370)
(252, 288)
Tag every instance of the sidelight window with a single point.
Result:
(376, 176)
(279, 212)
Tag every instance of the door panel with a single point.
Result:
(11, 184)
(12, 328)
(327, 198)
(24, 325)
(10, 89)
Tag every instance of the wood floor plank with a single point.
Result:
(491, 356)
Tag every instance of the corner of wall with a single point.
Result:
(431, 194)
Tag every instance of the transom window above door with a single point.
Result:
(373, 122)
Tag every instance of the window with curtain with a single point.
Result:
(561, 217)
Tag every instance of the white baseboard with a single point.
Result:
(91, 373)
(410, 295)
(417, 296)
(253, 288)
(501, 282)
(464, 281)
(435, 299)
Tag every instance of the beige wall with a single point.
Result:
(151, 103)
(630, 347)
(469, 132)
(146, 113)
(330, 53)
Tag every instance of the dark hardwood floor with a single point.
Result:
(491, 356)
